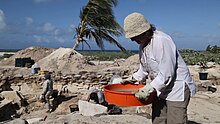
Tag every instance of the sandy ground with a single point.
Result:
(204, 107)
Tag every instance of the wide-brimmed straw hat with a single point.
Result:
(135, 24)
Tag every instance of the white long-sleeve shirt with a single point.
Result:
(161, 61)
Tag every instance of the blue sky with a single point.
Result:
(192, 24)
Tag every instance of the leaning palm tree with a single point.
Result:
(98, 24)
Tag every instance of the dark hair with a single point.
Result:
(47, 76)
(94, 96)
(150, 32)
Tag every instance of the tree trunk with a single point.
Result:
(76, 44)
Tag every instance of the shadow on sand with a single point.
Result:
(193, 122)
(57, 101)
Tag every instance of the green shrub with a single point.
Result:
(198, 57)
(105, 56)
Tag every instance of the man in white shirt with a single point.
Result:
(161, 62)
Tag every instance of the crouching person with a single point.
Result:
(99, 98)
(47, 92)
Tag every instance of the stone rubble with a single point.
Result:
(91, 109)
(73, 78)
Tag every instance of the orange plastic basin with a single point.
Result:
(121, 94)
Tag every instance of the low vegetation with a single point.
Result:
(191, 57)
(6, 56)
(9, 50)
(106, 56)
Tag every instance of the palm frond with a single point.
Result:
(98, 23)
(87, 44)
(98, 39)
(112, 40)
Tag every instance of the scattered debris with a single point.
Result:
(20, 89)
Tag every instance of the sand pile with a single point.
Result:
(132, 60)
(65, 60)
(36, 53)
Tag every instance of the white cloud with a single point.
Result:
(57, 32)
(219, 25)
(57, 37)
(178, 34)
(60, 39)
(211, 36)
(48, 27)
(28, 20)
(41, 1)
(71, 28)
(2, 20)
(40, 39)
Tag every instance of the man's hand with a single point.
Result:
(144, 92)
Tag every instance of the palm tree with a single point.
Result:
(98, 23)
